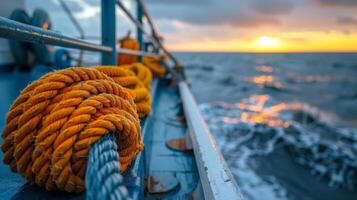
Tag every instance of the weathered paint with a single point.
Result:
(139, 32)
(217, 180)
(108, 31)
(18, 31)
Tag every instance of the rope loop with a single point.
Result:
(53, 123)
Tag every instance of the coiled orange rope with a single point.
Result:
(154, 64)
(53, 123)
(136, 78)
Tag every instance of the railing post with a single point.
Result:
(108, 31)
(138, 30)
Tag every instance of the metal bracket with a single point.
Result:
(161, 184)
(180, 144)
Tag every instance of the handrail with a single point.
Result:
(18, 31)
(136, 23)
(146, 13)
(137, 53)
(151, 23)
(216, 178)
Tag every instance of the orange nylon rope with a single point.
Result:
(136, 78)
(53, 123)
(154, 65)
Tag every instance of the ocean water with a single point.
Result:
(286, 123)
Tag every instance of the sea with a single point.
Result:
(286, 123)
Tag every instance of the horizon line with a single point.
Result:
(263, 52)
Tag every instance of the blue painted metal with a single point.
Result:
(62, 59)
(21, 50)
(215, 176)
(108, 31)
(138, 25)
(150, 21)
(18, 31)
(156, 36)
(139, 32)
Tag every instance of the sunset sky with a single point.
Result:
(233, 25)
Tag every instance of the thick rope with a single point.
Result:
(103, 180)
(136, 78)
(53, 123)
(128, 43)
(154, 64)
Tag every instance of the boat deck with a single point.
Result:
(168, 124)
(156, 160)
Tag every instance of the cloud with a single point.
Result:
(272, 7)
(343, 3)
(346, 20)
(213, 12)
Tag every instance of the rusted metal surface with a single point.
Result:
(161, 184)
(180, 144)
(216, 178)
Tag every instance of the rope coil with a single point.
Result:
(55, 120)
(136, 78)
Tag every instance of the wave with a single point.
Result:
(258, 126)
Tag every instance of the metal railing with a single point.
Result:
(18, 31)
(14, 30)
(216, 179)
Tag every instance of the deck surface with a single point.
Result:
(157, 158)
(164, 161)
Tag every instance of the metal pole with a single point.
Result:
(108, 31)
(137, 23)
(152, 25)
(138, 30)
(146, 13)
(18, 31)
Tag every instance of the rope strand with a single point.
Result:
(55, 121)
(52, 125)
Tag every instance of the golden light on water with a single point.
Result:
(262, 79)
(255, 111)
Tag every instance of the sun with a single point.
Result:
(266, 42)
